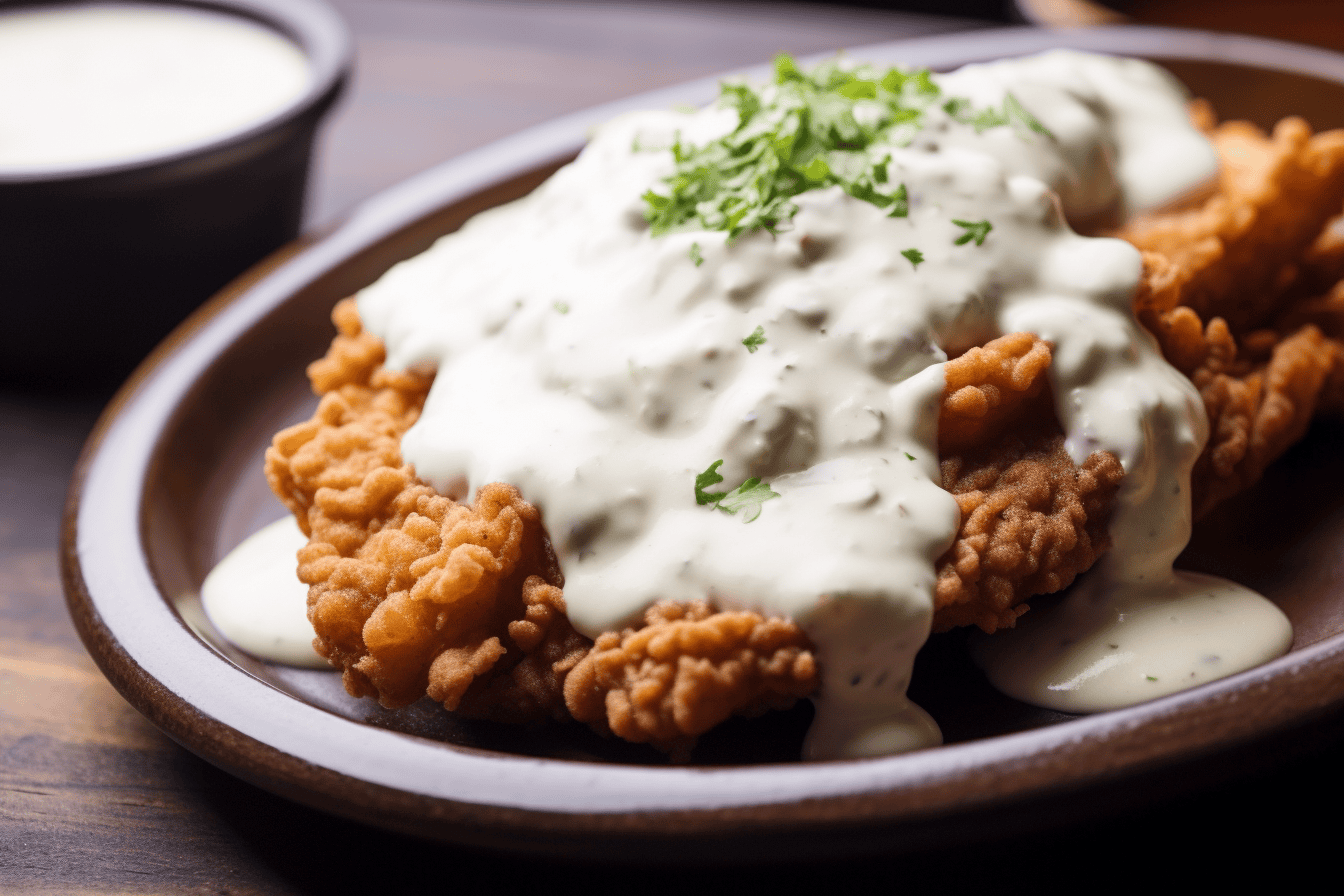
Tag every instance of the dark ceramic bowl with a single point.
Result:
(171, 480)
(98, 262)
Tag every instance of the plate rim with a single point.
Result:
(714, 807)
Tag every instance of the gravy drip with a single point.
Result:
(600, 369)
(1108, 645)
(256, 601)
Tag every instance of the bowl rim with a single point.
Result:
(318, 30)
(316, 758)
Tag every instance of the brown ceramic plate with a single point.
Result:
(172, 479)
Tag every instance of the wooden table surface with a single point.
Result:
(94, 799)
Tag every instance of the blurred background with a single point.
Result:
(94, 799)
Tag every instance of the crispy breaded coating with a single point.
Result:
(1321, 266)
(528, 683)
(412, 593)
(1233, 294)
(358, 425)
(1260, 394)
(988, 387)
(1030, 522)
(1233, 255)
(688, 668)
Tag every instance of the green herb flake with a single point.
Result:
(900, 203)
(817, 170)
(696, 258)
(831, 126)
(975, 230)
(962, 110)
(755, 340)
(704, 480)
(909, 456)
(747, 497)
(1011, 113)
(1019, 116)
(1151, 677)
(801, 135)
(562, 307)
(914, 256)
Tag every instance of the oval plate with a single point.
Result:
(171, 479)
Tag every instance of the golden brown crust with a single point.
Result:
(688, 668)
(1030, 519)
(1030, 522)
(412, 593)
(1233, 254)
(989, 387)
(1233, 296)
(529, 684)
(409, 591)
(358, 425)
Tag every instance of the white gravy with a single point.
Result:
(101, 83)
(600, 370)
(1098, 650)
(256, 601)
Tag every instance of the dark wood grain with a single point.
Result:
(94, 799)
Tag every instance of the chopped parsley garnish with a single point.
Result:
(704, 480)
(900, 203)
(1151, 677)
(962, 110)
(909, 456)
(1012, 113)
(696, 257)
(561, 307)
(975, 230)
(747, 497)
(755, 340)
(830, 126)
(914, 256)
(1019, 116)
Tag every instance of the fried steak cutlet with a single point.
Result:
(412, 593)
